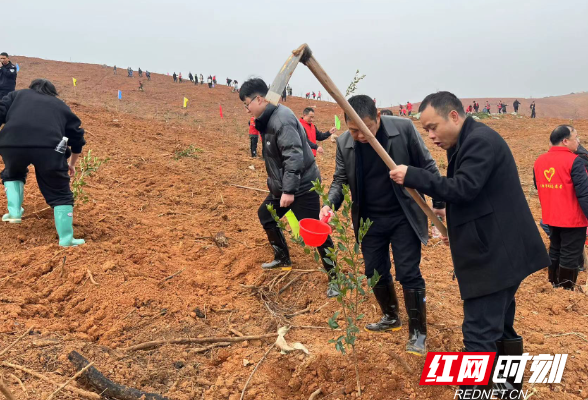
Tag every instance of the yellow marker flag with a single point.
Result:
(74, 81)
(337, 123)
(185, 102)
(293, 222)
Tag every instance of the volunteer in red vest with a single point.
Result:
(312, 133)
(562, 183)
(253, 137)
(409, 108)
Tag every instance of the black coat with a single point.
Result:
(494, 240)
(405, 145)
(53, 120)
(289, 162)
(7, 78)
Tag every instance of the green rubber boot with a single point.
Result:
(14, 197)
(64, 225)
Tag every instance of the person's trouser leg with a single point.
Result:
(554, 254)
(406, 249)
(253, 139)
(572, 246)
(375, 249)
(13, 176)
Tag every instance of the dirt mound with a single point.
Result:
(160, 274)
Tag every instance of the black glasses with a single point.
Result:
(247, 105)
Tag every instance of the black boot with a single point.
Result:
(416, 308)
(388, 302)
(567, 277)
(552, 272)
(511, 347)
(281, 254)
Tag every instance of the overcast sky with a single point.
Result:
(407, 49)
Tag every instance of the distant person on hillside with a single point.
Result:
(175, 77)
(180, 78)
(404, 112)
(195, 79)
(476, 106)
(291, 170)
(141, 86)
(409, 108)
(313, 95)
(115, 70)
(253, 137)
(386, 112)
(229, 82)
(235, 86)
(469, 109)
(319, 97)
(129, 72)
(533, 115)
(308, 95)
(45, 142)
(504, 108)
(289, 90)
(209, 80)
(500, 107)
(201, 79)
(148, 75)
(400, 109)
(516, 105)
(488, 107)
(284, 95)
(140, 72)
(191, 77)
(312, 132)
(7, 75)
(214, 80)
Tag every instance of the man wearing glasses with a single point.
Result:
(291, 169)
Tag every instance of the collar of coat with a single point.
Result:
(463, 134)
(387, 122)
(262, 121)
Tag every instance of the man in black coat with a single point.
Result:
(494, 241)
(397, 219)
(291, 169)
(7, 75)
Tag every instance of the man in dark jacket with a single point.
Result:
(291, 169)
(7, 75)
(516, 105)
(312, 132)
(494, 241)
(562, 184)
(397, 219)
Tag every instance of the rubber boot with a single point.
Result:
(502, 390)
(332, 288)
(386, 297)
(552, 272)
(567, 277)
(511, 347)
(64, 225)
(14, 198)
(281, 254)
(416, 308)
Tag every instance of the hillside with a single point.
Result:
(158, 274)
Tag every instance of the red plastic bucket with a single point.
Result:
(314, 232)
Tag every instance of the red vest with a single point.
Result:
(310, 132)
(559, 204)
(252, 130)
(409, 106)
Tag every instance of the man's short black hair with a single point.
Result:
(307, 110)
(443, 103)
(364, 106)
(253, 87)
(560, 133)
(386, 112)
(44, 86)
(5, 54)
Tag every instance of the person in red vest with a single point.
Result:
(312, 133)
(253, 137)
(562, 183)
(409, 107)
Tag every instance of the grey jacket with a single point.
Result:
(405, 146)
(289, 162)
